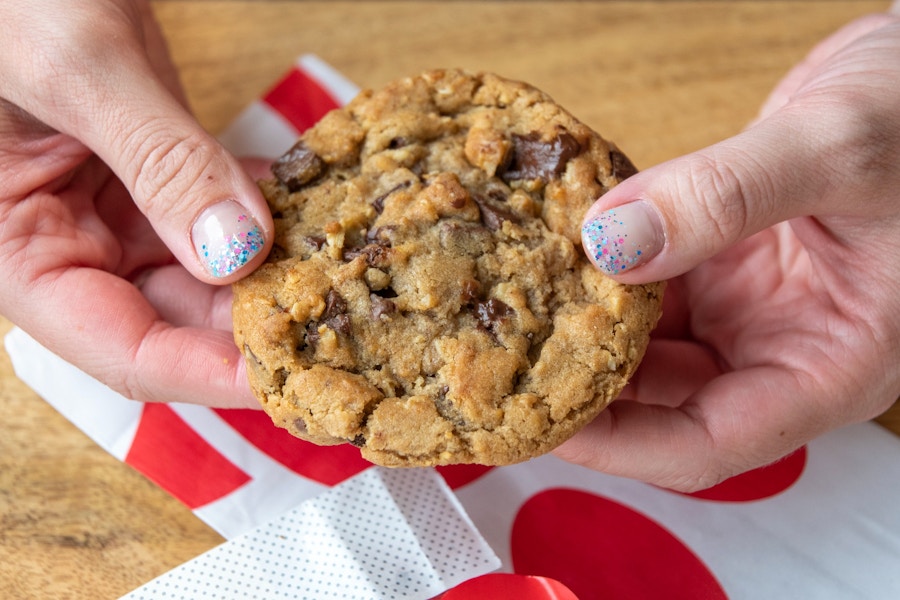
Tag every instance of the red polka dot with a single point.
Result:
(506, 586)
(328, 465)
(602, 549)
(457, 476)
(760, 483)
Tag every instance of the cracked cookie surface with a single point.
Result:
(427, 298)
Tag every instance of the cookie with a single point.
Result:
(427, 298)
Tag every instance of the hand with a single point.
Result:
(781, 320)
(120, 218)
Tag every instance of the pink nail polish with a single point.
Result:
(623, 237)
(226, 238)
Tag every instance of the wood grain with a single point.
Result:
(659, 78)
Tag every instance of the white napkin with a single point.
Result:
(379, 535)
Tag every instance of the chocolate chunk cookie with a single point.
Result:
(427, 298)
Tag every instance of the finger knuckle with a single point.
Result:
(166, 168)
(724, 194)
(689, 483)
(700, 473)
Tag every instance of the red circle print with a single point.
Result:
(601, 549)
(758, 484)
(328, 465)
(506, 586)
(457, 476)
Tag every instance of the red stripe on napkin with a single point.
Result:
(174, 456)
(328, 465)
(300, 99)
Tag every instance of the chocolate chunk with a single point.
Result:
(334, 305)
(491, 313)
(312, 334)
(359, 441)
(471, 291)
(381, 306)
(447, 409)
(377, 255)
(457, 202)
(248, 353)
(378, 203)
(492, 215)
(534, 158)
(622, 167)
(380, 235)
(340, 323)
(297, 167)
(276, 380)
(387, 292)
(335, 315)
(315, 242)
(495, 193)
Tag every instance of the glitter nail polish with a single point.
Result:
(226, 238)
(623, 237)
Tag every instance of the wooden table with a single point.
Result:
(659, 78)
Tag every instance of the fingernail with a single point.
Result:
(624, 237)
(226, 238)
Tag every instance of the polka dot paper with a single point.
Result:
(384, 534)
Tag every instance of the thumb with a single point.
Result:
(126, 108)
(827, 152)
(666, 220)
(199, 199)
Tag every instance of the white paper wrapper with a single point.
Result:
(380, 534)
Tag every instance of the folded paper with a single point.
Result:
(381, 534)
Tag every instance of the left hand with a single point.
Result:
(106, 176)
